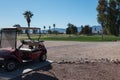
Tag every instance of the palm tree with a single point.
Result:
(49, 27)
(49, 31)
(44, 28)
(28, 15)
(54, 26)
(70, 27)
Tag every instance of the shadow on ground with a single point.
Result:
(36, 75)
(22, 69)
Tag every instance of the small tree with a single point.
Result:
(54, 26)
(72, 29)
(49, 27)
(49, 31)
(18, 26)
(44, 29)
(28, 15)
(86, 30)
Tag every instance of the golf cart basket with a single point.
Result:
(9, 36)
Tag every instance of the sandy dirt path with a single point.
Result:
(74, 51)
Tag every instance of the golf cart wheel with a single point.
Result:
(10, 65)
(43, 57)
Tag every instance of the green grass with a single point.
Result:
(83, 38)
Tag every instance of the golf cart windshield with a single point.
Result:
(8, 38)
(35, 32)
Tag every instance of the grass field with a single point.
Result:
(60, 37)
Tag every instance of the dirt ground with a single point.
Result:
(79, 61)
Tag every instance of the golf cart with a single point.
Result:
(11, 55)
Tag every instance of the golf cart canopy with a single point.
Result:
(9, 36)
(26, 28)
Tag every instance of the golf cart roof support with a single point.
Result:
(26, 28)
(28, 33)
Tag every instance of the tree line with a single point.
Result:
(109, 16)
(72, 29)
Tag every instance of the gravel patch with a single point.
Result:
(73, 51)
(79, 61)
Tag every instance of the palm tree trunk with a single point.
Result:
(28, 32)
(28, 25)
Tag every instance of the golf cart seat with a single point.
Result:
(31, 43)
(28, 50)
(32, 46)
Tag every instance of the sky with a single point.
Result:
(48, 12)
